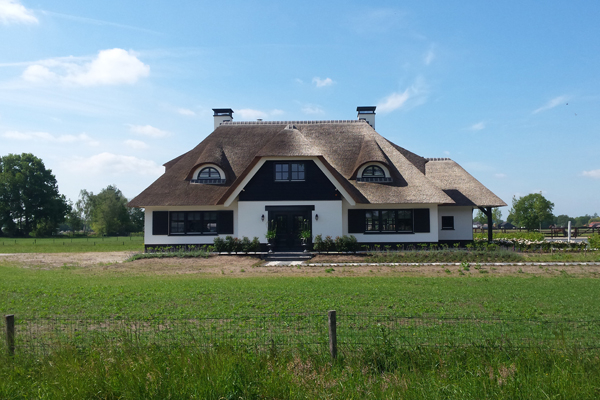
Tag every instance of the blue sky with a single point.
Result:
(105, 92)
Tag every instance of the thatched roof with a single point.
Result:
(342, 146)
(459, 184)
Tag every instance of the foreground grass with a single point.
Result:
(108, 292)
(71, 245)
(380, 372)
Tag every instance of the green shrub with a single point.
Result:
(594, 241)
(219, 245)
(255, 245)
(318, 243)
(511, 235)
(245, 244)
(328, 244)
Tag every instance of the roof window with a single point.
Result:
(209, 175)
(373, 173)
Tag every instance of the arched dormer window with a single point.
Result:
(209, 175)
(373, 173)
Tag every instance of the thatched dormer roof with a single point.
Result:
(342, 146)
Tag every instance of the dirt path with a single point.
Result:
(247, 266)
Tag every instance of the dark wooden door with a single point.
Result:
(288, 225)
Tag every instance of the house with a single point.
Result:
(332, 177)
(506, 225)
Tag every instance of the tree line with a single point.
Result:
(534, 211)
(30, 204)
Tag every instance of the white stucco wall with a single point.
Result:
(463, 223)
(250, 224)
(150, 239)
(432, 236)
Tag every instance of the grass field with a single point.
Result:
(71, 245)
(380, 370)
(99, 291)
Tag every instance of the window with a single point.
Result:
(289, 171)
(448, 223)
(177, 222)
(373, 173)
(200, 222)
(388, 221)
(209, 175)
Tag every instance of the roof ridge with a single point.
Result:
(438, 159)
(309, 122)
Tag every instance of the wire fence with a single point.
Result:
(42, 335)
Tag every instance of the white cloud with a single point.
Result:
(413, 96)
(429, 56)
(312, 109)
(48, 137)
(114, 164)
(13, 11)
(147, 130)
(39, 73)
(136, 144)
(446, 152)
(552, 103)
(594, 174)
(110, 67)
(478, 126)
(500, 175)
(250, 114)
(393, 101)
(185, 111)
(322, 82)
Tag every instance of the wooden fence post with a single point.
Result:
(332, 334)
(10, 333)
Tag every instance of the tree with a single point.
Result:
(482, 218)
(29, 198)
(531, 211)
(74, 219)
(107, 212)
(582, 220)
(563, 220)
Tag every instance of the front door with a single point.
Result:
(288, 225)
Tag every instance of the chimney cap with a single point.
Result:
(222, 111)
(366, 109)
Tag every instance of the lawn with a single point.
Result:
(101, 291)
(65, 244)
(381, 369)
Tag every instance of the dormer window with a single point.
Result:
(373, 173)
(209, 175)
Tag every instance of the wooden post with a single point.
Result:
(10, 334)
(488, 212)
(332, 334)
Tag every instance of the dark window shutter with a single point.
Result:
(356, 221)
(421, 220)
(225, 224)
(160, 222)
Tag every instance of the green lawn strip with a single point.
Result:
(94, 292)
(71, 245)
(379, 372)
(505, 256)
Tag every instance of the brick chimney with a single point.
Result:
(222, 115)
(367, 114)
